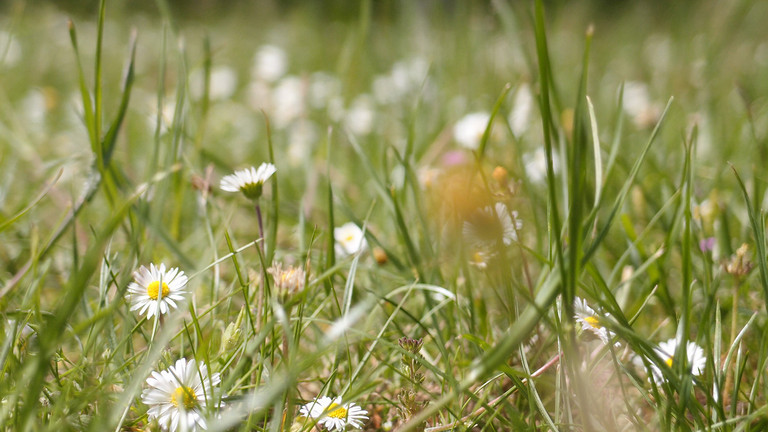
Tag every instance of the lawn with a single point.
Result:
(383, 216)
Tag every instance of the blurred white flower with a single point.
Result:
(35, 106)
(223, 83)
(349, 239)
(288, 281)
(269, 64)
(322, 88)
(486, 227)
(666, 350)
(249, 181)
(301, 136)
(428, 176)
(288, 101)
(259, 96)
(638, 105)
(178, 396)
(590, 320)
(333, 414)
(469, 130)
(155, 290)
(359, 117)
(383, 90)
(336, 109)
(536, 165)
(520, 117)
(407, 77)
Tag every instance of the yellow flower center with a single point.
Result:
(349, 238)
(185, 396)
(287, 276)
(337, 411)
(593, 321)
(669, 361)
(153, 288)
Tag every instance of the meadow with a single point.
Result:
(383, 216)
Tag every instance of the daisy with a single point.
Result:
(666, 350)
(590, 320)
(178, 396)
(269, 64)
(519, 117)
(249, 181)
(288, 281)
(491, 224)
(333, 414)
(638, 104)
(536, 165)
(147, 296)
(470, 129)
(349, 239)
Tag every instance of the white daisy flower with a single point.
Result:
(270, 63)
(249, 181)
(146, 294)
(491, 224)
(590, 320)
(333, 414)
(469, 130)
(349, 239)
(536, 165)
(638, 104)
(178, 396)
(666, 350)
(222, 83)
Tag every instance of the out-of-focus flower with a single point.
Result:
(288, 101)
(288, 281)
(222, 84)
(519, 118)
(591, 321)
(349, 239)
(490, 225)
(360, 115)
(739, 264)
(428, 177)
(322, 88)
(454, 158)
(155, 290)
(333, 414)
(666, 350)
(637, 103)
(707, 244)
(301, 136)
(536, 165)
(178, 396)
(480, 258)
(269, 64)
(249, 181)
(469, 130)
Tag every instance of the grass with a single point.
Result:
(633, 165)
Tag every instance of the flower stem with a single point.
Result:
(734, 323)
(261, 226)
